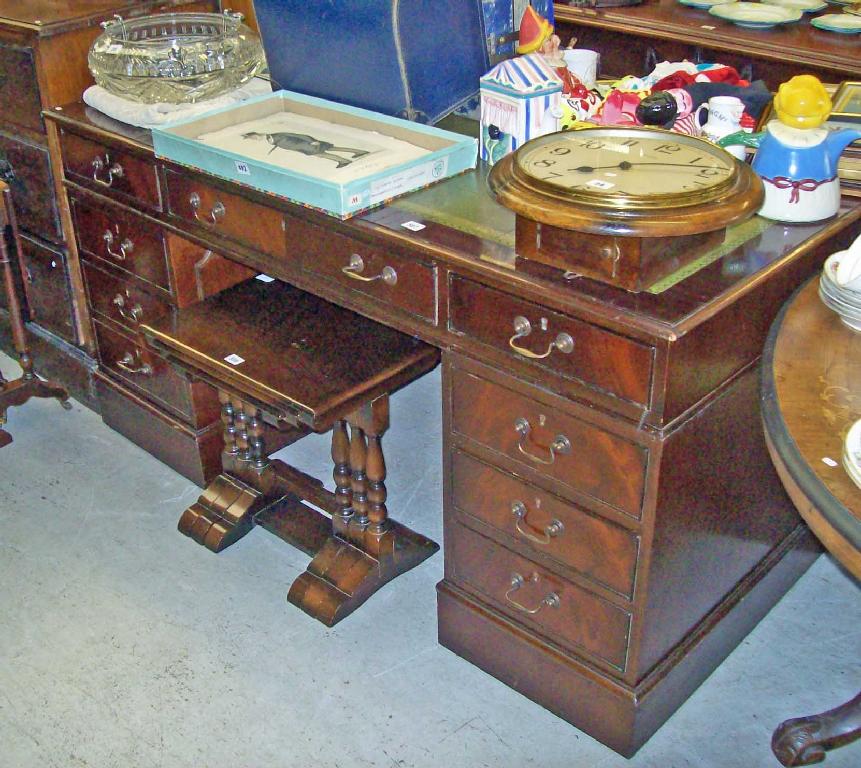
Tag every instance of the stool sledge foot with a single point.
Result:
(344, 574)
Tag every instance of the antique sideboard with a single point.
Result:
(632, 39)
(613, 524)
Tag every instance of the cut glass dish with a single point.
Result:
(175, 57)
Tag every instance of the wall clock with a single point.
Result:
(626, 206)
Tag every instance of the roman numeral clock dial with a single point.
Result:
(625, 206)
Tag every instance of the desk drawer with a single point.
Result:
(574, 452)
(121, 299)
(193, 453)
(111, 171)
(225, 214)
(580, 351)
(545, 524)
(123, 240)
(32, 186)
(19, 88)
(539, 598)
(398, 281)
(130, 360)
(48, 294)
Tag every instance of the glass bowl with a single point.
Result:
(175, 57)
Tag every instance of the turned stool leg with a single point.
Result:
(377, 513)
(343, 478)
(359, 480)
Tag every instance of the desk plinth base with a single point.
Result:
(621, 716)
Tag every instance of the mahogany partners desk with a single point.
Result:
(613, 524)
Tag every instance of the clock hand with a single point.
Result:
(625, 165)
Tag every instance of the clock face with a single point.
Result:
(640, 168)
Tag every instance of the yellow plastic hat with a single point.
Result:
(534, 30)
(802, 102)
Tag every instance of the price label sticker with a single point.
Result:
(413, 226)
(830, 462)
(242, 168)
(234, 359)
(265, 279)
(600, 184)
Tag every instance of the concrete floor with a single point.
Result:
(125, 645)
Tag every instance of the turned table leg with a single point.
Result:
(804, 740)
(19, 391)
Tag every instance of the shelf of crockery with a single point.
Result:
(631, 39)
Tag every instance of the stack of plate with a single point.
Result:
(852, 453)
(836, 294)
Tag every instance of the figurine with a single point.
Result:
(535, 30)
(796, 157)
(520, 99)
(307, 145)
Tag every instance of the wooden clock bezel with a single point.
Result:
(664, 215)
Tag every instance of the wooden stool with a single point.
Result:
(278, 354)
(29, 385)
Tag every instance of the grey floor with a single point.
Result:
(123, 644)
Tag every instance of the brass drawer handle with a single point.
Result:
(561, 445)
(133, 315)
(357, 265)
(218, 211)
(132, 364)
(551, 530)
(126, 246)
(550, 600)
(522, 327)
(115, 171)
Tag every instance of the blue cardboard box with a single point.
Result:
(416, 59)
(443, 153)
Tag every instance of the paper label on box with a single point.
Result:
(242, 168)
(408, 180)
(234, 359)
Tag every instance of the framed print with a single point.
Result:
(847, 103)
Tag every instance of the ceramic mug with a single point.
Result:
(583, 63)
(724, 118)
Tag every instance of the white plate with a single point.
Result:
(806, 6)
(755, 15)
(703, 3)
(852, 453)
(845, 23)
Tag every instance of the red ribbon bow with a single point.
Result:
(807, 185)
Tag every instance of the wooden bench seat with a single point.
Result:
(282, 355)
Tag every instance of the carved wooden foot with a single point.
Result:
(223, 514)
(342, 576)
(366, 548)
(19, 391)
(804, 740)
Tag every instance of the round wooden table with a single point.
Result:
(811, 396)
